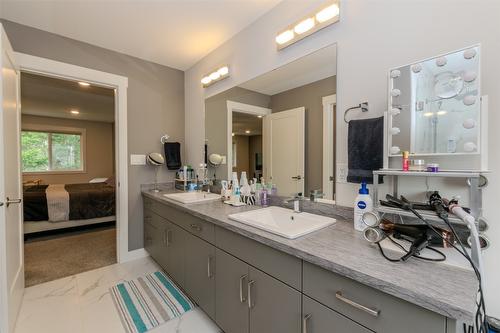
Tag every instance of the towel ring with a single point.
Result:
(363, 106)
(164, 139)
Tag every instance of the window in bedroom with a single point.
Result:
(51, 151)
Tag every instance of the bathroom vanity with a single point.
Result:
(248, 280)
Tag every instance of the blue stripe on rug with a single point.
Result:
(136, 317)
(180, 298)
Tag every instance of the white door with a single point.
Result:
(11, 234)
(284, 155)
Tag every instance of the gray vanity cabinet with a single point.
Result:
(250, 301)
(173, 253)
(231, 305)
(274, 306)
(200, 273)
(320, 319)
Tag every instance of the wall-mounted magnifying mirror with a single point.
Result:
(279, 126)
(156, 160)
(437, 110)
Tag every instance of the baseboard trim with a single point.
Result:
(134, 254)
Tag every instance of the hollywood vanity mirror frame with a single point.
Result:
(481, 118)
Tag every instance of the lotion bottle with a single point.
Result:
(362, 204)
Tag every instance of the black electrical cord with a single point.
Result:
(443, 256)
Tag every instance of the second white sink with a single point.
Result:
(283, 222)
(192, 197)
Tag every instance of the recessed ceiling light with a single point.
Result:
(247, 131)
(75, 112)
(328, 13)
(84, 84)
(285, 37)
(304, 26)
(259, 116)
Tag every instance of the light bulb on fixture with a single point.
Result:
(214, 76)
(75, 112)
(223, 71)
(206, 80)
(304, 26)
(232, 134)
(428, 114)
(285, 37)
(442, 112)
(259, 116)
(84, 84)
(247, 132)
(328, 13)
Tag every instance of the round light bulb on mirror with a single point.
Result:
(469, 100)
(395, 111)
(441, 61)
(470, 76)
(469, 147)
(470, 53)
(395, 73)
(469, 123)
(395, 131)
(416, 68)
(395, 92)
(395, 150)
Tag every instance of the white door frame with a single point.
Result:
(47, 67)
(243, 108)
(329, 103)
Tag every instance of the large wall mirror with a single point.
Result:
(434, 105)
(279, 126)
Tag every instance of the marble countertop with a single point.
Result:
(444, 289)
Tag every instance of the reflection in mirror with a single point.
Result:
(272, 127)
(435, 108)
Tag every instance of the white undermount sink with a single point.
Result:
(283, 222)
(192, 197)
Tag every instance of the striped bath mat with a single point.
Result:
(149, 301)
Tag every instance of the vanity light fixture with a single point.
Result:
(215, 76)
(74, 111)
(319, 19)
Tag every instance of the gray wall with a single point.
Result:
(155, 101)
(216, 120)
(99, 161)
(309, 96)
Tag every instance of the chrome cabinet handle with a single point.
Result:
(299, 177)
(166, 237)
(304, 322)
(195, 227)
(358, 306)
(209, 267)
(12, 201)
(249, 294)
(242, 297)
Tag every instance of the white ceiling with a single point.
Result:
(51, 97)
(310, 68)
(175, 33)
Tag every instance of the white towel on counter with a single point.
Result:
(57, 203)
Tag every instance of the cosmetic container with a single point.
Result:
(433, 167)
(418, 165)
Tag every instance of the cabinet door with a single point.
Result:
(274, 306)
(320, 319)
(153, 237)
(231, 307)
(200, 273)
(175, 249)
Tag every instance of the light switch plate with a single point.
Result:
(342, 172)
(137, 159)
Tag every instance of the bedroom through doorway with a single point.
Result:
(68, 173)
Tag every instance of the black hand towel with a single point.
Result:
(365, 149)
(173, 155)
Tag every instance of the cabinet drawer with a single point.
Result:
(194, 225)
(282, 266)
(367, 306)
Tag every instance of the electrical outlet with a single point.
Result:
(342, 172)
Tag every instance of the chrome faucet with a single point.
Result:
(297, 202)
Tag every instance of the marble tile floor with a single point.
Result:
(82, 304)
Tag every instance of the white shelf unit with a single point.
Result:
(475, 191)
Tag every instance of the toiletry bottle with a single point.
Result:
(264, 200)
(406, 161)
(362, 204)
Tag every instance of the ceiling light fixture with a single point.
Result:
(259, 116)
(84, 84)
(217, 75)
(74, 111)
(247, 131)
(319, 19)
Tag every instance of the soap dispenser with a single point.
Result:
(362, 204)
